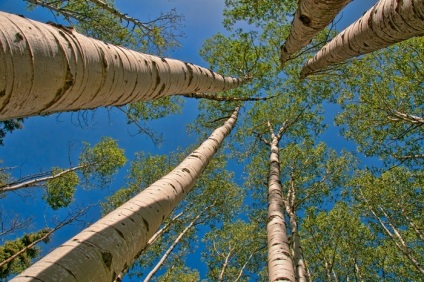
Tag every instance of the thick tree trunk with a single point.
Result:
(311, 17)
(47, 69)
(388, 22)
(103, 250)
(280, 263)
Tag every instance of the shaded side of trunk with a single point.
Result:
(48, 68)
(386, 23)
(311, 17)
(104, 249)
(280, 264)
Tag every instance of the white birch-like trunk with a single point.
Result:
(311, 17)
(104, 249)
(47, 69)
(280, 263)
(386, 23)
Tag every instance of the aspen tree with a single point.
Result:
(104, 249)
(386, 23)
(51, 68)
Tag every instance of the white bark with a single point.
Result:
(104, 249)
(311, 17)
(47, 69)
(386, 23)
(280, 263)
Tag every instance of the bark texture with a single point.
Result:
(104, 249)
(311, 17)
(386, 23)
(280, 263)
(51, 68)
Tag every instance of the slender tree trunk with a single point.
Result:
(104, 249)
(280, 263)
(47, 69)
(33, 182)
(299, 263)
(225, 265)
(311, 17)
(173, 245)
(388, 22)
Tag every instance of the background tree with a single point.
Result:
(25, 258)
(338, 246)
(17, 254)
(235, 252)
(392, 204)
(97, 165)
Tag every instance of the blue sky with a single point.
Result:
(53, 141)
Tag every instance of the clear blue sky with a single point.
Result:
(53, 141)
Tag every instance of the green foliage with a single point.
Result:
(155, 109)
(240, 246)
(8, 126)
(337, 245)
(392, 204)
(24, 260)
(180, 273)
(102, 160)
(144, 170)
(4, 176)
(254, 12)
(383, 103)
(60, 191)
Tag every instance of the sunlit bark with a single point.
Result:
(50, 68)
(103, 250)
(386, 23)
(311, 17)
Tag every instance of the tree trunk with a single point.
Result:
(104, 249)
(388, 22)
(311, 17)
(51, 68)
(280, 263)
